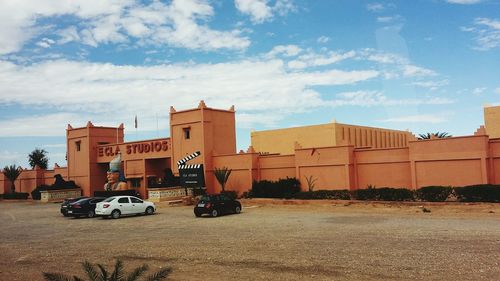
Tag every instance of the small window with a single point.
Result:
(135, 183)
(135, 200)
(78, 145)
(123, 200)
(187, 133)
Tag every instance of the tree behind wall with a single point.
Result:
(12, 172)
(222, 175)
(439, 135)
(38, 157)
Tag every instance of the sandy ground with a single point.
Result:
(269, 240)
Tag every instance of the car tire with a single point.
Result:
(214, 213)
(197, 214)
(237, 209)
(90, 214)
(149, 210)
(115, 214)
(66, 214)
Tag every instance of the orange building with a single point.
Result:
(338, 156)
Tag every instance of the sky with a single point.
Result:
(422, 65)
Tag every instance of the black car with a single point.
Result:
(216, 204)
(66, 202)
(84, 207)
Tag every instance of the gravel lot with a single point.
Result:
(269, 240)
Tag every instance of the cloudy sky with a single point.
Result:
(423, 65)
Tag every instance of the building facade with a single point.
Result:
(338, 156)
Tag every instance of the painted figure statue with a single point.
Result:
(116, 180)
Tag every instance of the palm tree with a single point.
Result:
(222, 175)
(12, 172)
(99, 273)
(38, 157)
(439, 135)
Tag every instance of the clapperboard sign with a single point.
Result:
(191, 175)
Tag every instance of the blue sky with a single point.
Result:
(425, 66)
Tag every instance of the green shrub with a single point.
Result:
(231, 194)
(478, 193)
(383, 194)
(16, 195)
(283, 188)
(324, 194)
(433, 193)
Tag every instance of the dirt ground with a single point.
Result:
(269, 240)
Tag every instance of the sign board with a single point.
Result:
(192, 176)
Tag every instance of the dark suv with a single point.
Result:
(216, 204)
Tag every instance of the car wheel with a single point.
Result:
(150, 210)
(90, 214)
(214, 213)
(115, 214)
(197, 214)
(237, 210)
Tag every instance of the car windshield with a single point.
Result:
(81, 200)
(205, 198)
(109, 199)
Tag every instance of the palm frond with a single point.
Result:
(117, 274)
(159, 275)
(90, 270)
(56, 277)
(137, 273)
(104, 273)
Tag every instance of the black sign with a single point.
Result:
(192, 177)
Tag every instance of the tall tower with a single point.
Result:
(208, 130)
(492, 121)
(81, 144)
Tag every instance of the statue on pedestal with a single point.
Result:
(116, 180)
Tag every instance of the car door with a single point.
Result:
(124, 205)
(138, 205)
(222, 202)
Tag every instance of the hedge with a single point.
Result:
(324, 194)
(478, 193)
(383, 194)
(283, 188)
(434, 193)
(16, 195)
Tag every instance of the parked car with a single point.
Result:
(216, 204)
(84, 207)
(117, 206)
(66, 202)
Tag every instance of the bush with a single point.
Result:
(383, 194)
(16, 195)
(433, 193)
(231, 194)
(324, 194)
(478, 193)
(283, 188)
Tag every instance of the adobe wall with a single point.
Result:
(30, 179)
(494, 161)
(491, 121)
(244, 171)
(275, 167)
(383, 168)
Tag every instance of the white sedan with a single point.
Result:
(117, 206)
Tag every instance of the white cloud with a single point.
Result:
(312, 59)
(285, 50)
(389, 19)
(260, 11)
(79, 91)
(487, 33)
(478, 91)
(323, 39)
(463, 2)
(181, 23)
(413, 70)
(432, 85)
(421, 118)
(374, 98)
(376, 7)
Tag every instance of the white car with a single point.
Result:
(117, 206)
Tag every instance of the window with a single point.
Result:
(123, 200)
(187, 133)
(135, 200)
(135, 183)
(78, 145)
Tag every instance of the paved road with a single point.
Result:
(265, 242)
